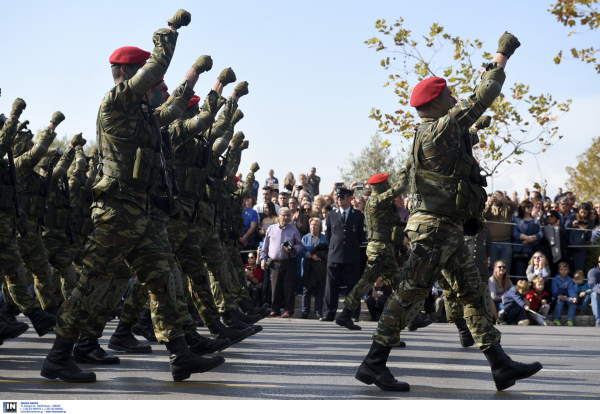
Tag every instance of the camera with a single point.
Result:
(339, 185)
(289, 246)
(300, 187)
(360, 187)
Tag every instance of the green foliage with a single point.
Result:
(521, 123)
(373, 159)
(584, 179)
(568, 12)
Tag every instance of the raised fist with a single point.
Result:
(507, 44)
(241, 89)
(227, 76)
(57, 118)
(17, 107)
(78, 140)
(203, 64)
(181, 18)
(254, 167)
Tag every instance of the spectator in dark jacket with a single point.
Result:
(376, 299)
(594, 282)
(528, 233)
(579, 237)
(481, 248)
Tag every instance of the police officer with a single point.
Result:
(446, 202)
(345, 233)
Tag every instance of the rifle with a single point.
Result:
(47, 191)
(169, 146)
(67, 194)
(164, 173)
(14, 182)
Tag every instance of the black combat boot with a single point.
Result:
(505, 371)
(89, 351)
(11, 331)
(466, 339)
(8, 313)
(247, 318)
(234, 323)
(418, 323)
(373, 370)
(59, 364)
(185, 363)
(42, 322)
(123, 340)
(144, 326)
(193, 311)
(200, 345)
(345, 320)
(249, 309)
(220, 331)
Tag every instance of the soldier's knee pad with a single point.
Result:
(164, 289)
(71, 274)
(178, 281)
(405, 316)
(120, 289)
(480, 302)
(90, 292)
(22, 274)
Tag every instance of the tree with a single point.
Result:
(373, 159)
(568, 12)
(515, 131)
(584, 180)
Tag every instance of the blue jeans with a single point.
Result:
(499, 306)
(583, 303)
(596, 306)
(502, 252)
(514, 313)
(559, 307)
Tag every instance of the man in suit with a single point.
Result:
(345, 233)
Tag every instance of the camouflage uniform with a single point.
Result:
(381, 250)
(81, 202)
(58, 220)
(447, 188)
(31, 188)
(14, 284)
(123, 230)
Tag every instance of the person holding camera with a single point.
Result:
(500, 209)
(278, 255)
(303, 185)
(376, 299)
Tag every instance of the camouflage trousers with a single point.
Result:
(438, 249)
(381, 262)
(14, 281)
(236, 267)
(220, 277)
(58, 252)
(33, 253)
(138, 295)
(77, 249)
(122, 231)
(186, 240)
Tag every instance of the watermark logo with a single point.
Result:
(9, 407)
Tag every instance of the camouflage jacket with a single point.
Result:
(7, 207)
(381, 216)
(81, 199)
(121, 115)
(59, 216)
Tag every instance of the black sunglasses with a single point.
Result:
(500, 267)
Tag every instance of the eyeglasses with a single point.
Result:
(307, 210)
(500, 267)
(537, 257)
(529, 206)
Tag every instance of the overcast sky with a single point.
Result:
(312, 79)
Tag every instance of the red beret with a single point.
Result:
(194, 101)
(378, 178)
(128, 55)
(426, 91)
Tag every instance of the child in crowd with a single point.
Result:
(515, 306)
(539, 300)
(563, 292)
(582, 292)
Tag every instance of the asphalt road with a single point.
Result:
(307, 359)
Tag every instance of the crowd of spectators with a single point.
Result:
(529, 242)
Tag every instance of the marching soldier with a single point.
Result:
(446, 202)
(17, 296)
(122, 228)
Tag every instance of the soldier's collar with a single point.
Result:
(427, 120)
